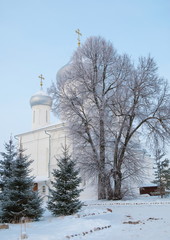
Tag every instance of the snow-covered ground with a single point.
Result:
(144, 218)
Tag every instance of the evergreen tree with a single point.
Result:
(18, 198)
(6, 162)
(64, 192)
(162, 172)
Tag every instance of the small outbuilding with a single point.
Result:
(152, 190)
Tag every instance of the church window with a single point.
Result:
(43, 189)
(34, 116)
(46, 116)
(35, 187)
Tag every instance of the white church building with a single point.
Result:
(44, 142)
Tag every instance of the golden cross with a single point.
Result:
(42, 78)
(78, 38)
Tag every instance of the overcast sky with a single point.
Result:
(38, 36)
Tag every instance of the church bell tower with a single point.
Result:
(41, 106)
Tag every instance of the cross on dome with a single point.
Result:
(78, 34)
(42, 78)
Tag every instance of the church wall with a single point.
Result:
(43, 144)
(36, 146)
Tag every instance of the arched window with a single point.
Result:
(46, 116)
(35, 187)
(43, 189)
(34, 116)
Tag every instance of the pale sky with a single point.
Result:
(38, 36)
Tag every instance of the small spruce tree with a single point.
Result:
(162, 172)
(64, 192)
(18, 198)
(6, 162)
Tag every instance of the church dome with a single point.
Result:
(40, 98)
(63, 70)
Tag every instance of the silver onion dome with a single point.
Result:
(63, 70)
(40, 98)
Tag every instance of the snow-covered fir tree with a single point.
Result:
(162, 172)
(6, 162)
(64, 192)
(18, 198)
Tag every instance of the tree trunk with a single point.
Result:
(117, 195)
(102, 175)
(109, 190)
(101, 187)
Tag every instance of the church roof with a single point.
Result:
(52, 127)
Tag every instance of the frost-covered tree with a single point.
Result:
(6, 162)
(81, 95)
(108, 102)
(65, 192)
(162, 172)
(18, 198)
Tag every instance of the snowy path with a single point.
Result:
(107, 221)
